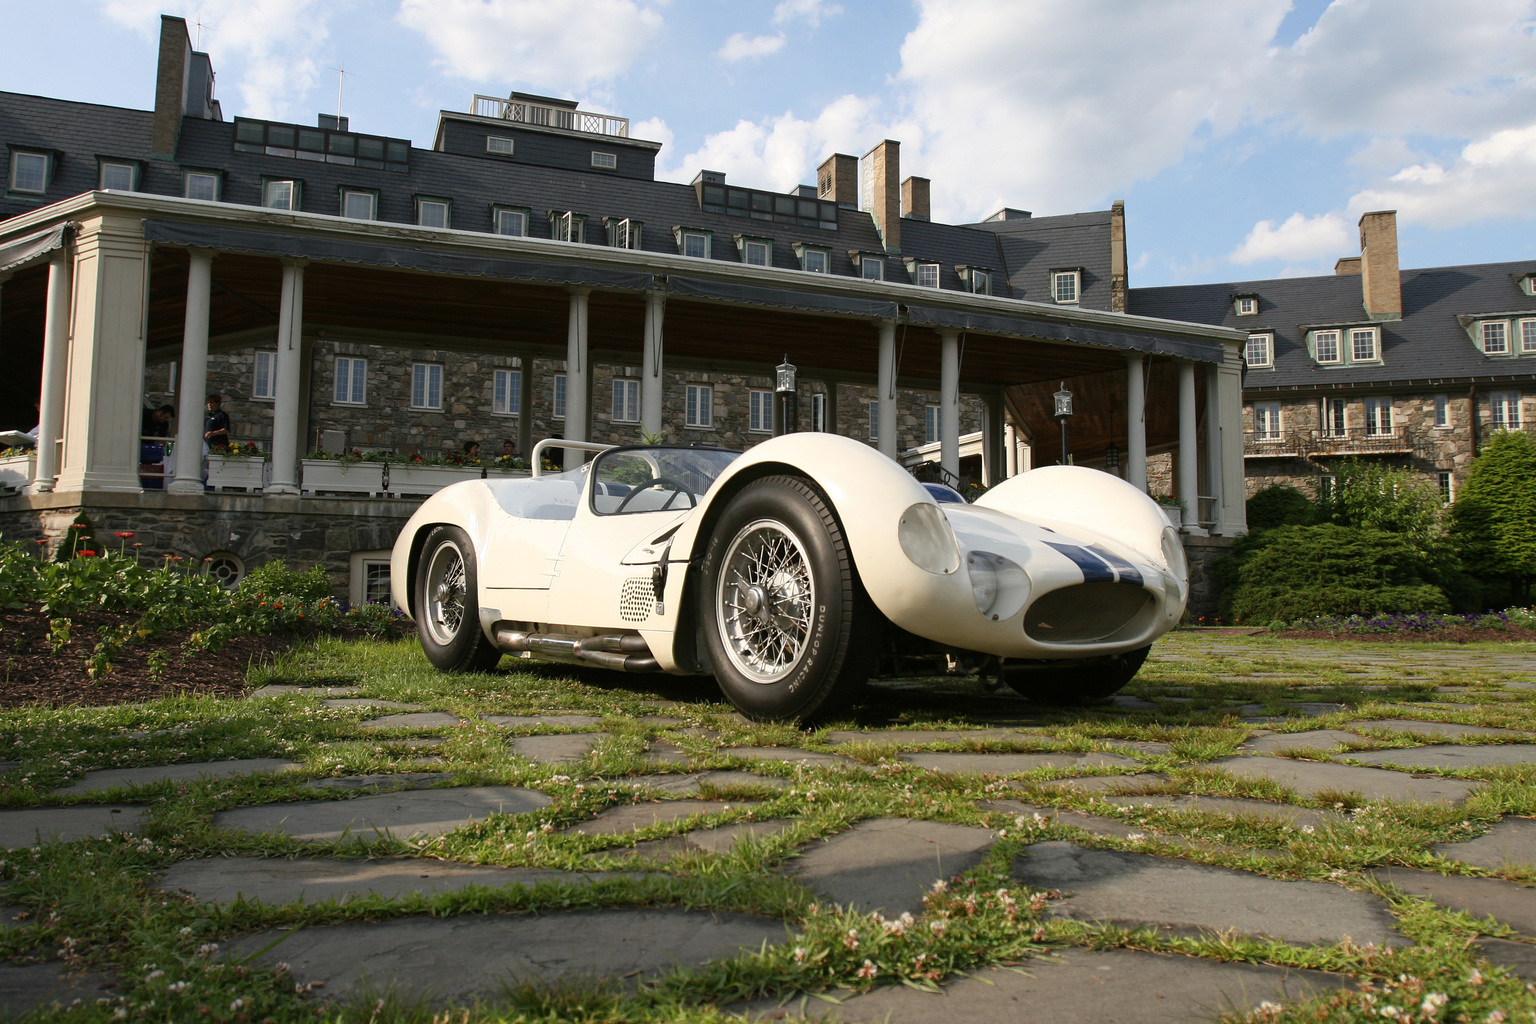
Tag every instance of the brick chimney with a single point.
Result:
(914, 198)
(1118, 280)
(1345, 266)
(1378, 262)
(837, 180)
(170, 87)
(880, 171)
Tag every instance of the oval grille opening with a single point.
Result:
(1085, 613)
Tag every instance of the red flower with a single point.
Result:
(123, 534)
(41, 540)
(86, 554)
(77, 526)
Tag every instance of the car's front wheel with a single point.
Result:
(786, 627)
(447, 604)
(1076, 682)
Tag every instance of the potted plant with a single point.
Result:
(421, 475)
(16, 468)
(350, 471)
(239, 466)
(1173, 508)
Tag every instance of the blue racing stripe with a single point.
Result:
(1094, 568)
(1128, 572)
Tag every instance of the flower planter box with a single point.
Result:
(16, 471)
(323, 476)
(406, 479)
(236, 472)
(1174, 515)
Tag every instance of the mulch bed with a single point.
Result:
(34, 674)
(1451, 635)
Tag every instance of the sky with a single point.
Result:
(1246, 137)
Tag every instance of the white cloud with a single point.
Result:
(741, 46)
(1300, 238)
(811, 11)
(561, 48)
(1491, 178)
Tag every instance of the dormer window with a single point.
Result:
(755, 252)
(1066, 286)
(924, 274)
(978, 280)
(1495, 337)
(29, 172)
(509, 220)
(433, 213)
(1327, 346)
(359, 204)
(1362, 344)
(870, 265)
(693, 242)
(1246, 305)
(623, 233)
(202, 185)
(1528, 284)
(1260, 351)
(567, 226)
(280, 194)
(813, 259)
(118, 175)
(1344, 345)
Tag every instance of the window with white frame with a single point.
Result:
(29, 172)
(623, 233)
(565, 226)
(557, 400)
(118, 176)
(1504, 407)
(351, 381)
(874, 420)
(925, 275)
(200, 185)
(1362, 344)
(1447, 482)
(626, 400)
(819, 412)
(1266, 421)
(507, 392)
(280, 194)
(1528, 284)
(1527, 336)
(813, 261)
(433, 213)
(498, 144)
(932, 420)
(871, 268)
(605, 161)
(1326, 345)
(1065, 285)
(756, 252)
(700, 411)
(978, 280)
(1495, 337)
(426, 386)
(1260, 350)
(760, 420)
(264, 384)
(1246, 305)
(511, 222)
(1326, 482)
(1335, 424)
(694, 244)
(1442, 410)
(1378, 416)
(359, 204)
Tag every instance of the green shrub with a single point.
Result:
(1294, 572)
(275, 579)
(1369, 494)
(1493, 523)
(1280, 505)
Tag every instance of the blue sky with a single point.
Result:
(1246, 136)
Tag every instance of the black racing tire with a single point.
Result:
(447, 604)
(786, 626)
(1076, 682)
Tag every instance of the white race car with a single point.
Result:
(793, 573)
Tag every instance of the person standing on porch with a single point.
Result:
(216, 425)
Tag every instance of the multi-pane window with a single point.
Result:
(1505, 409)
(605, 161)
(201, 185)
(1495, 338)
(700, 406)
(926, 275)
(376, 582)
(498, 144)
(357, 204)
(511, 222)
(264, 385)
(1447, 481)
(29, 172)
(874, 420)
(351, 381)
(761, 419)
(1378, 416)
(1363, 344)
(872, 268)
(1327, 346)
(819, 412)
(1334, 423)
(1064, 285)
(280, 195)
(507, 392)
(426, 386)
(1266, 421)
(558, 400)
(1528, 336)
(1258, 351)
(814, 261)
(623, 233)
(931, 425)
(117, 176)
(1442, 410)
(980, 281)
(756, 254)
(432, 213)
(567, 227)
(1247, 305)
(626, 400)
(696, 245)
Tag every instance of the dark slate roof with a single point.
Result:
(1032, 247)
(952, 246)
(1427, 344)
(77, 133)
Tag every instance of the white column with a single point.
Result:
(1189, 445)
(1212, 460)
(1136, 422)
(1011, 449)
(192, 387)
(1232, 517)
(885, 389)
(50, 418)
(525, 407)
(949, 401)
(288, 375)
(576, 376)
(992, 432)
(650, 373)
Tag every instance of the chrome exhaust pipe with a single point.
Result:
(625, 652)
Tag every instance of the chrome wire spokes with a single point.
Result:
(765, 600)
(445, 593)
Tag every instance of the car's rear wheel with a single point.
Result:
(447, 605)
(787, 630)
(1075, 682)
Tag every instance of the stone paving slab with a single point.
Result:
(1016, 764)
(1312, 739)
(556, 749)
(1093, 824)
(1519, 958)
(1309, 778)
(694, 781)
(82, 821)
(414, 720)
(919, 737)
(1296, 817)
(275, 881)
(381, 782)
(1152, 748)
(1512, 841)
(1104, 783)
(618, 820)
(371, 702)
(1454, 756)
(1511, 904)
(112, 778)
(721, 840)
(662, 752)
(457, 959)
(788, 755)
(409, 815)
(25, 988)
(887, 864)
(553, 721)
(1076, 986)
(1448, 730)
(1182, 898)
(283, 690)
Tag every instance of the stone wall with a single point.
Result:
(1202, 553)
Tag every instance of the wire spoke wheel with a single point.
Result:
(765, 599)
(445, 589)
(446, 604)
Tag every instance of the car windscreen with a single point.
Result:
(654, 479)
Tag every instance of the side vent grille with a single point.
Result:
(636, 599)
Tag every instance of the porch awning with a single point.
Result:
(1022, 326)
(21, 251)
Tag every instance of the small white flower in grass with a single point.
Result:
(1136, 837)
(938, 926)
(1475, 977)
(799, 954)
(236, 1006)
(939, 885)
(1307, 830)
(851, 940)
(1433, 1003)
(152, 975)
(1496, 1017)
(178, 986)
(208, 949)
(869, 970)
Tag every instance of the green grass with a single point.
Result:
(89, 902)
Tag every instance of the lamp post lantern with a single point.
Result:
(787, 397)
(1112, 458)
(1063, 413)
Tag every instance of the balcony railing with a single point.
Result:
(1278, 444)
(550, 116)
(1296, 444)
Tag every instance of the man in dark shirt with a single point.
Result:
(216, 425)
(157, 422)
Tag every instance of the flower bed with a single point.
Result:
(421, 478)
(237, 467)
(1517, 624)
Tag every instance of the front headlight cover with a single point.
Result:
(928, 540)
(1000, 585)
